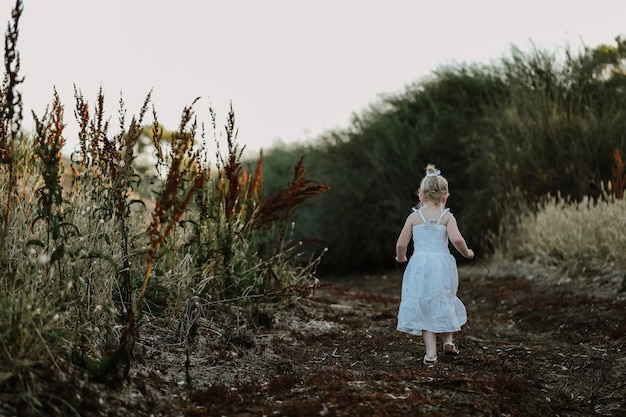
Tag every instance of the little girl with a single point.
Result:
(429, 303)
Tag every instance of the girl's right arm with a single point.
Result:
(454, 234)
(403, 240)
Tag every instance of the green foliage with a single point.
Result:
(374, 167)
(91, 249)
(503, 135)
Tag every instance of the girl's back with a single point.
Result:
(430, 233)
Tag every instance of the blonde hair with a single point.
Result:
(433, 186)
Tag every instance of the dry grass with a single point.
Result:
(579, 237)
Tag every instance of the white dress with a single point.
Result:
(430, 283)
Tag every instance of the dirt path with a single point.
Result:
(533, 346)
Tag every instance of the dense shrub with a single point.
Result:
(503, 134)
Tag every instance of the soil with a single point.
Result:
(536, 344)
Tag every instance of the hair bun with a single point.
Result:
(434, 174)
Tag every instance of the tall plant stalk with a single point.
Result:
(10, 119)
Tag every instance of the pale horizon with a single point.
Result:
(292, 70)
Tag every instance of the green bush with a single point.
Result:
(503, 134)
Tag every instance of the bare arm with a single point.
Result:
(454, 234)
(403, 240)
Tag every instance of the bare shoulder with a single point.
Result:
(447, 218)
(413, 218)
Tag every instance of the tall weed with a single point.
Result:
(93, 248)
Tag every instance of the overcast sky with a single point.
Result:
(292, 69)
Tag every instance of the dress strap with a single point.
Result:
(422, 216)
(443, 213)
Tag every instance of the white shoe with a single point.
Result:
(429, 361)
(450, 349)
